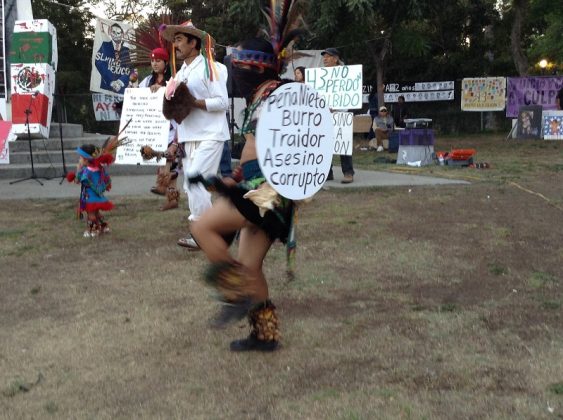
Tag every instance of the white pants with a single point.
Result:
(202, 157)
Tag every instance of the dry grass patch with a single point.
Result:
(441, 302)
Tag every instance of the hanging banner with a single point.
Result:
(341, 86)
(105, 106)
(294, 140)
(148, 127)
(483, 94)
(525, 91)
(416, 91)
(111, 58)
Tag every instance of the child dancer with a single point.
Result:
(92, 175)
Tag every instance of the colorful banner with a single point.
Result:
(418, 91)
(111, 58)
(483, 94)
(525, 91)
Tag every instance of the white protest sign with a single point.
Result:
(294, 140)
(148, 127)
(342, 123)
(340, 85)
(105, 106)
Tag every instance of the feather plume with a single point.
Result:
(286, 24)
(148, 38)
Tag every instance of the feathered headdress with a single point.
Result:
(286, 24)
(148, 38)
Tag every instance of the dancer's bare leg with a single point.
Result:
(254, 244)
(220, 220)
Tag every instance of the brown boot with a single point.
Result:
(162, 181)
(172, 196)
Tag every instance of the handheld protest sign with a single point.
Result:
(145, 126)
(294, 140)
(340, 85)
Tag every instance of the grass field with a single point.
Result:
(409, 303)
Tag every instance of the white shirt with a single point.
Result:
(210, 124)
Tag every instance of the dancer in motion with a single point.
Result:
(91, 173)
(250, 206)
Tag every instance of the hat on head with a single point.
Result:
(160, 54)
(168, 31)
(382, 108)
(331, 51)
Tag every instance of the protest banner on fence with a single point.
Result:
(105, 106)
(415, 91)
(111, 57)
(552, 125)
(294, 140)
(483, 94)
(340, 85)
(525, 91)
(148, 127)
(343, 131)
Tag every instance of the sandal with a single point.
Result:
(189, 242)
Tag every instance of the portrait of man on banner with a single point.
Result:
(111, 61)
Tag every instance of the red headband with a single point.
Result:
(159, 54)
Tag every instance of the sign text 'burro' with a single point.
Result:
(294, 140)
(340, 85)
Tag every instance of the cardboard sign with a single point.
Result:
(552, 125)
(483, 94)
(340, 85)
(294, 140)
(105, 106)
(148, 127)
(40, 26)
(343, 131)
(32, 78)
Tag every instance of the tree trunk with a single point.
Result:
(520, 59)
(380, 61)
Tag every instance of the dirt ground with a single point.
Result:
(422, 303)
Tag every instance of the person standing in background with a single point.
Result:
(331, 58)
(299, 74)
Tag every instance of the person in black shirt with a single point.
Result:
(400, 112)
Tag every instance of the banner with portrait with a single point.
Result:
(483, 94)
(111, 57)
(526, 91)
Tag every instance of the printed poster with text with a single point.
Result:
(483, 94)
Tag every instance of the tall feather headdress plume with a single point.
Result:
(148, 37)
(286, 24)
